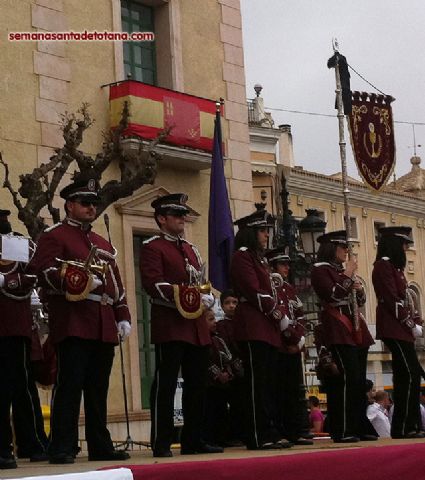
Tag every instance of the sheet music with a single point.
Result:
(14, 248)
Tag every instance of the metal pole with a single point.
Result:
(345, 189)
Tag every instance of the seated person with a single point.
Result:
(317, 418)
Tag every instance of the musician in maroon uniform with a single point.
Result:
(87, 311)
(259, 321)
(333, 284)
(291, 410)
(397, 325)
(169, 266)
(15, 347)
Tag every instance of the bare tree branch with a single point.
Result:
(39, 187)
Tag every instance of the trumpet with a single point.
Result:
(89, 265)
(205, 288)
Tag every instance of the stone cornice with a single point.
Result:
(320, 186)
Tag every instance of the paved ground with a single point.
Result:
(144, 457)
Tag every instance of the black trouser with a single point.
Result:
(291, 407)
(23, 436)
(346, 392)
(216, 419)
(193, 360)
(84, 366)
(260, 360)
(406, 381)
(14, 374)
(224, 414)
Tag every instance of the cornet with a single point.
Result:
(89, 265)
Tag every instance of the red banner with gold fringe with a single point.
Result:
(372, 137)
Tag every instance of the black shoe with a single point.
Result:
(115, 455)
(162, 453)
(346, 440)
(7, 463)
(308, 436)
(284, 443)
(39, 457)
(302, 441)
(266, 446)
(368, 438)
(203, 448)
(61, 458)
(410, 435)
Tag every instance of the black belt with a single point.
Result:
(162, 303)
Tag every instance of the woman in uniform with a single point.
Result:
(397, 325)
(258, 321)
(346, 389)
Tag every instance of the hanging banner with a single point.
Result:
(372, 137)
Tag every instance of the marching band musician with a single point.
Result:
(15, 347)
(172, 271)
(291, 410)
(346, 396)
(87, 310)
(259, 320)
(397, 325)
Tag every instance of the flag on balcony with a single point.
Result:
(152, 109)
(220, 225)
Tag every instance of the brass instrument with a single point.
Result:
(89, 265)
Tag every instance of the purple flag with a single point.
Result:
(220, 225)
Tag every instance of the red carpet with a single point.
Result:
(389, 463)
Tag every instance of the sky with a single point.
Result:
(287, 44)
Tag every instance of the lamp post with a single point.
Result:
(310, 228)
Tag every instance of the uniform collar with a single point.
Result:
(172, 238)
(86, 227)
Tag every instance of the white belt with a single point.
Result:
(102, 299)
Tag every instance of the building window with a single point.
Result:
(139, 57)
(376, 226)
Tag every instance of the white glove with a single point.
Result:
(35, 299)
(124, 329)
(284, 323)
(1, 280)
(207, 299)
(301, 343)
(95, 282)
(417, 331)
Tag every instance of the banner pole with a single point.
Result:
(345, 189)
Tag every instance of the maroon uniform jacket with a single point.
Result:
(391, 312)
(226, 330)
(333, 288)
(257, 299)
(166, 261)
(294, 310)
(90, 318)
(220, 361)
(15, 300)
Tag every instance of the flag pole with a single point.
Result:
(345, 189)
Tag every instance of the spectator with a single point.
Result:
(317, 418)
(377, 413)
(220, 377)
(235, 433)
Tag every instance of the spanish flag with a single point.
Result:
(153, 109)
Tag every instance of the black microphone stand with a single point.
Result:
(129, 443)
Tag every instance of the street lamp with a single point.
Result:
(310, 228)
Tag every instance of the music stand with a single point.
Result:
(129, 442)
